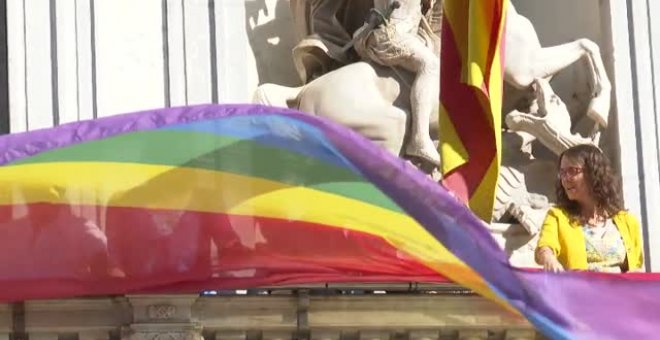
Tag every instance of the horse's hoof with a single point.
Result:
(436, 175)
(427, 153)
(424, 166)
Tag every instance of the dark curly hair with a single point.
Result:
(604, 183)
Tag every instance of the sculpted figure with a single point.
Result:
(369, 89)
(397, 43)
(323, 28)
(377, 100)
(549, 121)
(373, 100)
(376, 96)
(526, 61)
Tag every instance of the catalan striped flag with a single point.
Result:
(240, 196)
(471, 99)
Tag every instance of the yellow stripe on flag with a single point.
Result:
(115, 184)
(452, 150)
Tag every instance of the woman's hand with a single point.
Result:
(553, 265)
(549, 261)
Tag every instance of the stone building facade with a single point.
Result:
(63, 61)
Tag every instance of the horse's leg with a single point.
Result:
(423, 96)
(545, 62)
(548, 61)
(599, 107)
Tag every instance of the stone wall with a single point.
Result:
(281, 315)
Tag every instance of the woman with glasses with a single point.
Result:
(589, 228)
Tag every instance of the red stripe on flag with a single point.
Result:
(465, 106)
(493, 39)
(150, 250)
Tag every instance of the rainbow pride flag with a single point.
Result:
(211, 197)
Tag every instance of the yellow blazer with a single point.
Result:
(565, 237)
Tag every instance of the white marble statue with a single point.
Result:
(526, 60)
(549, 121)
(402, 41)
(373, 96)
(323, 28)
(374, 99)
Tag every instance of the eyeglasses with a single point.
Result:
(569, 172)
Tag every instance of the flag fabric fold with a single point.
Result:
(471, 99)
(218, 196)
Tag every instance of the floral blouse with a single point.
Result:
(605, 249)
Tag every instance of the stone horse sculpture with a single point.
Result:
(374, 100)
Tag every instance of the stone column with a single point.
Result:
(629, 50)
(520, 334)
(326, 335)
(375, 335)
(6, 321)
(473, 334)
(43, 336)
(424, 335)
(94, 335)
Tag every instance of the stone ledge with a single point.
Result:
(402, 315)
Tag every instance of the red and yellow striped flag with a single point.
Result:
(471, 99)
